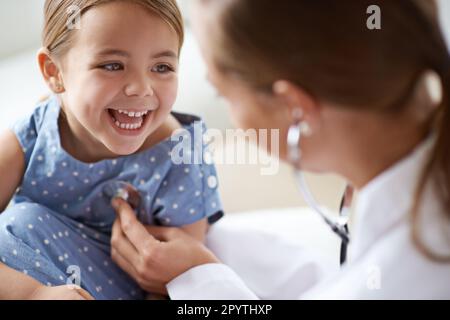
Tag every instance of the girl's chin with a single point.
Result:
(123, 150)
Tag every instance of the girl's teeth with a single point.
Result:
(133, 114)
(128, 126)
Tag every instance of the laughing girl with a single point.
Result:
(113, 74)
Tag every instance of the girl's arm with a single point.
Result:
(197, 229)
(12, 167)
(15, 285)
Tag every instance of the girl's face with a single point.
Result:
(120, 77)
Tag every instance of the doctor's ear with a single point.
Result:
(301, 105)
(50, 71)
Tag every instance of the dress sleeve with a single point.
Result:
(27, 131)
(189, 193)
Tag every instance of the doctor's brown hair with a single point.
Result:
(57, 36)
(326, 48)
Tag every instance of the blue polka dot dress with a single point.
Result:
(58, 228)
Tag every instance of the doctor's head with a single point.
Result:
(114, 65)
(366, 95)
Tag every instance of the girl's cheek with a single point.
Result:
(168, 94)
(101, 88)
(104, 81)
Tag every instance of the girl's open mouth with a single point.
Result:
(130, 121)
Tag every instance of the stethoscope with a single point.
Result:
(338, 225)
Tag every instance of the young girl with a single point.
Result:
(113, 71)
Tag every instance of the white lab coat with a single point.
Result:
(383, 261)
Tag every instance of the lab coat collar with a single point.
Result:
(385, 202)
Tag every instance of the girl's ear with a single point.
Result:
(50, 71)
(301, 105)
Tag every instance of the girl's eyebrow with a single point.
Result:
(117, 52)
(113, 52)
(165, 54)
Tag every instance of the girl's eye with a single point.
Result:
(162, 68)
(112, 67)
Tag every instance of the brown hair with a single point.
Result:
(326, 48)
(57, 37)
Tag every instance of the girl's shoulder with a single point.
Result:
(41, 112)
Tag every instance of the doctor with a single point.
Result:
(371, 105)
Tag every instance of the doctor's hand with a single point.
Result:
(151, 255)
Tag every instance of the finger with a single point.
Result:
(117, 235)
(86, 295)
(131, 227)
(163, 233)
(124, 264)
(77, 290)
(144, 283)
(125, 248)
(116, 231)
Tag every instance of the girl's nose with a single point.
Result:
(139, 86)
